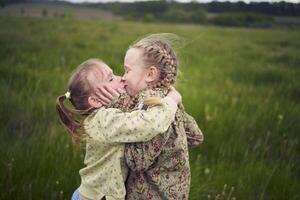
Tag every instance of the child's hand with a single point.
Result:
(107, 94)
(175, 95)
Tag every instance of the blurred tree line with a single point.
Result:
(275, 8)
(158, 11)
(158, 8)
(253, 14)
(244, 19)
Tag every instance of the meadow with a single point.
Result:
(241, 85)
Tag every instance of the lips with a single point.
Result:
(126, 88)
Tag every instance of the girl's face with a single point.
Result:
(135, 72)
(102, 74)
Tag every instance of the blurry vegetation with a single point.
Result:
(157, 11)
(189, 13)
(240, 14)
(243, 19)
(2, 3)
(274, 8)
(157, 8)
(254, 14)
(242, 86)
(140, 8)
(22, 11)
(44, 12)
(237, 14)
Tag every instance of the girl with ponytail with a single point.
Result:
(104, 130)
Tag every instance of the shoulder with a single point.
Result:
(151, 93)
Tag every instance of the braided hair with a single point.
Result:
(157, 51)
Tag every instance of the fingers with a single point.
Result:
(112, 92)
(107, 94)
(101, 103)
(106, 91)
(120, 90)
(175, 95)
(172, 90)
(103, 99)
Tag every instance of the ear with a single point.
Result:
(152, 74)
(94, 102)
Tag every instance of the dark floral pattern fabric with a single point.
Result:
(159, 168)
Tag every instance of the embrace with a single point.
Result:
(134, 127)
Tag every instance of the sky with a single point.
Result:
(201, 1)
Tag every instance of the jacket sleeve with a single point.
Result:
(113, 125)
(193, 132)
(140, 156)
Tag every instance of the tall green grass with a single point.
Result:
(241, 85)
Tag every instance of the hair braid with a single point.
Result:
(160, 54)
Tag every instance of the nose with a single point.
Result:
(119, 78)
(120, 81)
(124, 77)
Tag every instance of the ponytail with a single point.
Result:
(79, 89)
(71, 119)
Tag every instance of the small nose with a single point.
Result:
(119, 78)
(123, 78)
(120, 83)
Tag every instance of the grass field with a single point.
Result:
(241, 85)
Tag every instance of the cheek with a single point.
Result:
(130, 77)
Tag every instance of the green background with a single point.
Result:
(241, 85)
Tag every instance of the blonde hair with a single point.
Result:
(157, 50)
(80, 89)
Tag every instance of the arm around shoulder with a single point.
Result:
(136, 126)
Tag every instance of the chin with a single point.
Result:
(130, 93)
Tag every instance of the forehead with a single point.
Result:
(100, 72)
(133, 57)
(104, 69)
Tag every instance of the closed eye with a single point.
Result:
(126, 69)
(112, 78)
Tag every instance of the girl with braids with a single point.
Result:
(105, 130)
(159, 167)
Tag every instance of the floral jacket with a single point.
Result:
(159, 168)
